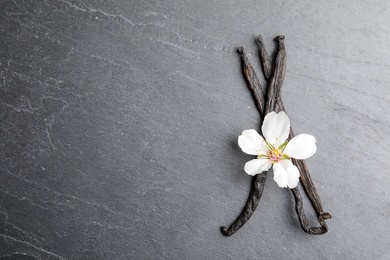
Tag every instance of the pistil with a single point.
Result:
(274, 155)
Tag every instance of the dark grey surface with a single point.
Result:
(119, 124)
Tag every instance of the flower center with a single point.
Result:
(275, 155)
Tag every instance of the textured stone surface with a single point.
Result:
(119, 124)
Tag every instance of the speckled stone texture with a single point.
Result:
(119, 123)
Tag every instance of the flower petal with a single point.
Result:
(292, 173)
(276, 128)
(256, 166)
(286, 174)
(251, 142)
(301, 147)
(280, 175)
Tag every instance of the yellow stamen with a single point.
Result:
(275, 155)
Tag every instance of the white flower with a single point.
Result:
(276, 150)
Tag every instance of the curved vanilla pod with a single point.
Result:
(305, 177)
(259, 179)
(273, 93)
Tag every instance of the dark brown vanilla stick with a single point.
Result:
(276, 82)
(253, 82)
(303, 219)
(273, 104)
(273, 93)
(250, 206)
(264, 58)
(259, 179)
(311, 190)
(306, 180)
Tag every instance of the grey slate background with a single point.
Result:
(119, 123)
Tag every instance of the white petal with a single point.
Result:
(301, 147)
(280, 175)
(286, 174)
(276, 128)
(251, 142)
(256, 166)
(292, 173)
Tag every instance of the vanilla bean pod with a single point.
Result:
(306, 180)
(310, 189)
(303, 219)
(264, 58)
(253, 82)
(273, 95)
(273, 104)
(276, 81)
(253, 201)
(259, 179)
